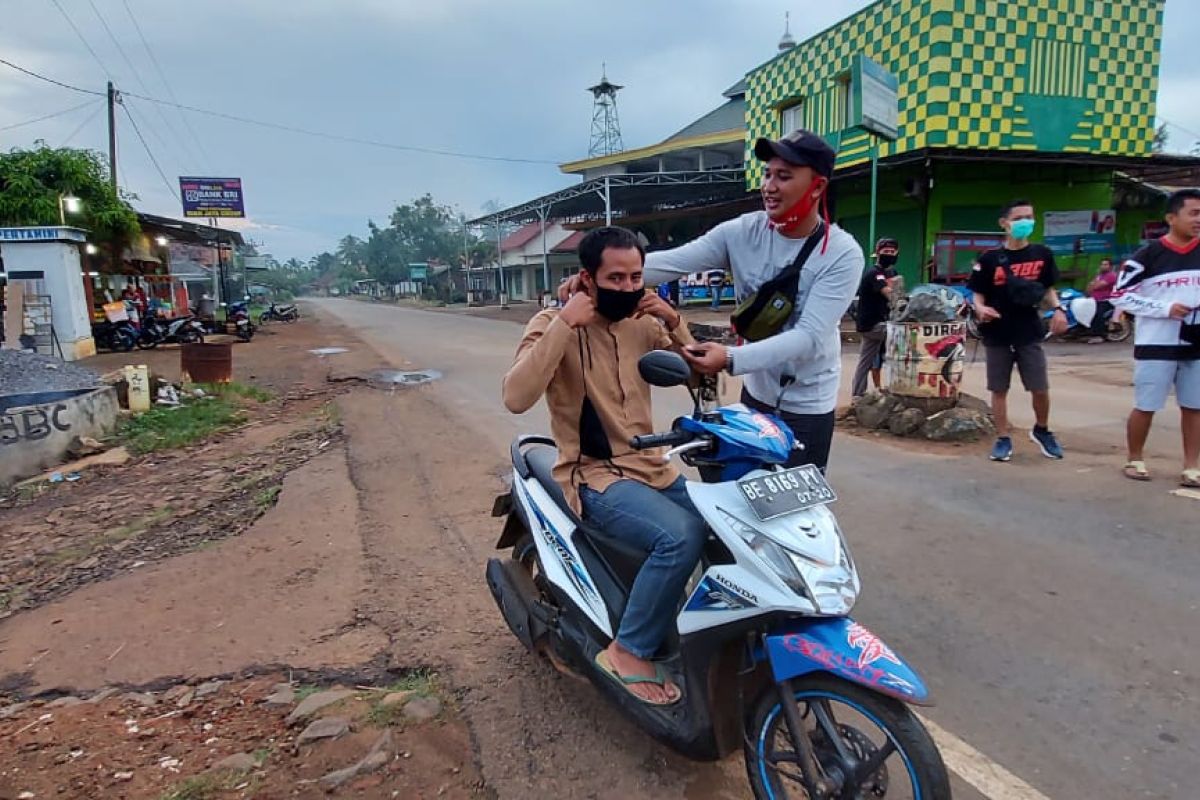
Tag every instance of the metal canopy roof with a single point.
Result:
(191, 232)
(1158, 168)
(628, 195)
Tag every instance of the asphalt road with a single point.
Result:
(1051, 606)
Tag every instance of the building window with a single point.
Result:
(791, 118)
(843, 112)
(517, 280)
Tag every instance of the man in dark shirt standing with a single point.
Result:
(874, 294)
(1010, 284)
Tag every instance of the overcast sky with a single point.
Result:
(492, 78)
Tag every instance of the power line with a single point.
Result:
(293, 129)
(87, 121)
(341, 138)
(41, 77)
(138, 77)
(46, 117)
(162, 76)
(79, 33)
(153, 160)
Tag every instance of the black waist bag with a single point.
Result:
(1022, 292)
(764, 313)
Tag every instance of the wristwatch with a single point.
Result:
(729, 360)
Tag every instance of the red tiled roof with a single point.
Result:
(521, 236)
(569, 244)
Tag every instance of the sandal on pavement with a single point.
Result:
(659, 678)
(1136, 471)
(1190, 478)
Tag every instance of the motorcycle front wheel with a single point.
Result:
(864, 745)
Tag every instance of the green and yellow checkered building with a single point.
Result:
(1070, 77)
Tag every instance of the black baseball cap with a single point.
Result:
(800, 148)
(887, 243)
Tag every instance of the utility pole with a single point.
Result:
(113, 95)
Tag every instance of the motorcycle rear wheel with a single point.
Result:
(911, 765)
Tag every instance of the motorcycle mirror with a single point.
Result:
(664, 368)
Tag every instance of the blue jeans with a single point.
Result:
(664, 524)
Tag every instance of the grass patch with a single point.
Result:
(305, 691)
(266, 498)
(382, 716)
(261, 755)
(163, 428)
(331, 413)
(234, 389)
(201, 787)
(422, 682)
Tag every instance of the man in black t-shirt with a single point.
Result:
(1010, 285)
(874, 294)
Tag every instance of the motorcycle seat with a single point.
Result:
(624, 559)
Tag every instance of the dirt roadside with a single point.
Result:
(240, 558)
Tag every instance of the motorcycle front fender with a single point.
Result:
(842, 647)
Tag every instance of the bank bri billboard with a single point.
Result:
(212, 197)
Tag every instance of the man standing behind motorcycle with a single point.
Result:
(798, 368)
(583, 358)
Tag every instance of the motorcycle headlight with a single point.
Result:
(772, 553)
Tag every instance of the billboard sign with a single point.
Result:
(212, 197)
(1076, 232)
(875, 98)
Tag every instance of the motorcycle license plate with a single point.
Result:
(786, 491)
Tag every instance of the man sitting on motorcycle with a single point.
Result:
(583, 358)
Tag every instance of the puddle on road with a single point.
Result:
(328, 351)
(391, 378)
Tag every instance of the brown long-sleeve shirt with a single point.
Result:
(599, 361)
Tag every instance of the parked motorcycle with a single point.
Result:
(239, 314)
(1081, 312)
(278, 313)
(763, 649)
(183, 330)
(116, 336)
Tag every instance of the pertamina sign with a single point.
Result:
(212, 197)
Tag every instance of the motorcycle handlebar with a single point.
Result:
(670, 439)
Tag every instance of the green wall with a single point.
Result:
(968, 197)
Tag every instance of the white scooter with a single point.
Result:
(763, 650)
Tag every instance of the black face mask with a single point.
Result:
(615, 305)
(884, 260)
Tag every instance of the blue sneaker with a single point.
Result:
(1045, 440)
(1002, 449)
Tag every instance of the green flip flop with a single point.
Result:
(625, 681)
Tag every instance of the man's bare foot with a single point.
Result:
(628, 665)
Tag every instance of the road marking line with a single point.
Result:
(993, 780)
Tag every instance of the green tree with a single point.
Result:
(32, 181)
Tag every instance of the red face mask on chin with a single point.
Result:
(793, 217)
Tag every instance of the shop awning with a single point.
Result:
(627, 195)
